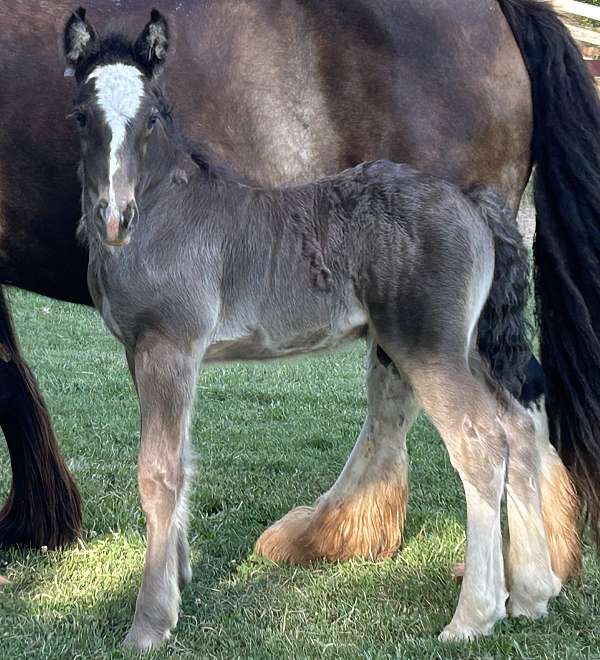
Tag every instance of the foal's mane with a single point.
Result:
(200, 154)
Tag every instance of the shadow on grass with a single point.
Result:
(79, 603)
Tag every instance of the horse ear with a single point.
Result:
(80, 38)
(153, 43)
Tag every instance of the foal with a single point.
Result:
(187, 266)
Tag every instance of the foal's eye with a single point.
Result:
(81, 119)
(152, 119)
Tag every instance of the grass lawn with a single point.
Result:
(268, 437)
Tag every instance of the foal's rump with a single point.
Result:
(443, 265)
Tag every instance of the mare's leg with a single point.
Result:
(165, 378)
(465, 413)
(560, 504)
(43, 506)
(531, 579)
(362, 515)
(184, 565)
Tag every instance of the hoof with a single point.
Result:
(528, 610)
(459, 633)
(531, 591)
(287, 541)
(368, 525)
(138, 639)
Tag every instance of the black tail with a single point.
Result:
(43, 506)
(566, 151)
(503, 331)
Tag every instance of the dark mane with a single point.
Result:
(187, 152)
(200, 154)
(203, 158)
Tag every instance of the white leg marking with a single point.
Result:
(531, 579)
(483, 595)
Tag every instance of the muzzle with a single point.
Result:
(115, 224)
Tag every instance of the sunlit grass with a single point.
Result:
(268, 437)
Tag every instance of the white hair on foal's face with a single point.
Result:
(119, 92)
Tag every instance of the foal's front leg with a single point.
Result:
(165, 378)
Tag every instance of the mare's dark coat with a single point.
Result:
(284, 91)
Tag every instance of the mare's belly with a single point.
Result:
(263, 343)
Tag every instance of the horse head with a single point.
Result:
(118, 108)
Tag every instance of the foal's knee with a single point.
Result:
(159, 483)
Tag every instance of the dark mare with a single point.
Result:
(189, 265)
(287, 92)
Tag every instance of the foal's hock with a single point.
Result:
(187, 264)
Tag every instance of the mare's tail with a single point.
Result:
(43, 507)
(566, 152)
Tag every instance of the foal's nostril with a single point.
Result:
(128, 215)
(101, 207)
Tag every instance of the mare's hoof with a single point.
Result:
(528, 610)
(367, 524)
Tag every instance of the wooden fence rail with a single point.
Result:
(573, 8)
(587, 37)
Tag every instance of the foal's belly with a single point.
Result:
(263, 343)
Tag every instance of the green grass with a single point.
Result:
(268, 437)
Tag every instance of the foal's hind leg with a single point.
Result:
(465, 413)
(362, 515)
(165, 379)
(531, 579)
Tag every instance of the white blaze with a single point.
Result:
(119, 90)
